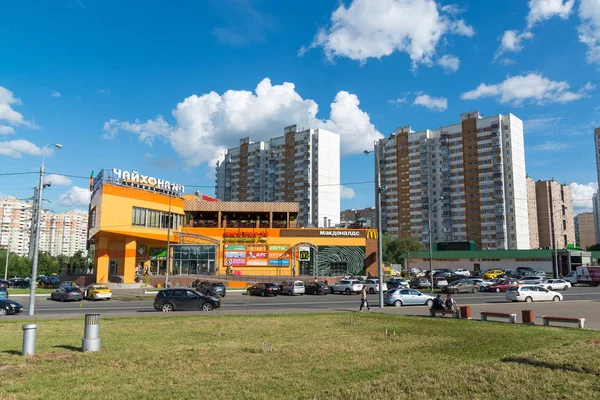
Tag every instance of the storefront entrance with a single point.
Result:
(192, 259)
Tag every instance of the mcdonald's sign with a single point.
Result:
(372, 234)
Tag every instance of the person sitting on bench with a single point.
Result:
(438, 303)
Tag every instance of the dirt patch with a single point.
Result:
(7, 367)
(53, 356)
(593, 341)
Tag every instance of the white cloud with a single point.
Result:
(208, 124)
(346, 192)
(376, 28)
(431, 103)
(76, 196)
(541, 10)
(531, 87)
(57, 180)
(54, 93)
(551, 146)
(449, 62)
(582, 196)
(6, 130)
(544, 123)
(16, 149)
(398, 101)
(589, 30)
(8, 114)
(103, 91)
(511, 41)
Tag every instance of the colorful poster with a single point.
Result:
(257, 263)
(279, 247)
(256, 254)
(235, 247)
(279, 263)
(238, 261)
(235, 254)
(278, 254)
(256, 247)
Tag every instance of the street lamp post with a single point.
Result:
(431, 240)
(168, 242)
(36, 244)
(7, 252)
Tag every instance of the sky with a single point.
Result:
(165, 88)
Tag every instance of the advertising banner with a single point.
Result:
(279, 247)
(304, 253)
(238, 261)
(261, 263)
(279, 263)
(235, 254)
(256, 247)
(257, 254)
(277, 254)
(235, 247)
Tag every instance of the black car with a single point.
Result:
(211, 288)
(316, 288)
(263, 289)
(18, 283)
(168, 300)
(8, 307)
(67, 293)
(3, 283)
(3, 291)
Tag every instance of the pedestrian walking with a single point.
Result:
(294, 271)
(363, 299)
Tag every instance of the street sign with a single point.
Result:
(304, 253)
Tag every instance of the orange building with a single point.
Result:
(134, 219)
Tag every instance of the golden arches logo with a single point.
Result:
(372, 234)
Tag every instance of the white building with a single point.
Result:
(16, 225)
(472, 173)
(596, 198)
(301, 166)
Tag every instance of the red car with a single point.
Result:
(501, 286)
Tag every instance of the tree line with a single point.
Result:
(47, 264)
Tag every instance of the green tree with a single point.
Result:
(594, 247)
(393, 247)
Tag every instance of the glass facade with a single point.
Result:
(194, 259)
(155, 219)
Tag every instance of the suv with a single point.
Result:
(347, 286)
(211, 288)
(418, 283)
(168, 300)
(292, 288)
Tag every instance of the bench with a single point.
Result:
(444, 312)
(512, 318)
(579, 321)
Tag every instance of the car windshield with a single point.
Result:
(100, 288)
(70, 289)
(513, 289)
(271, 285)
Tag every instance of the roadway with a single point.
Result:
(578, 302)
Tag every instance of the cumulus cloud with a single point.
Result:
(375, 28)
(57, 180)
(347, 192)
(589, 29)
(54, 93)
(449, 62)
(582, 196)
(16, 149)
(206, 125)
(8, 114)
(76, 196)
(541, 10)
(431, 103)
(532, 87)
(511, 41)
(6, 130)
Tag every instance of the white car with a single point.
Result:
(461, 271)
(347, 286)
(373, 286)
(292, 288)
(531, 293)
(556, 284)
(483, 284)
(401, 281)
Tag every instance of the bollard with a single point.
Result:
(528, 317)
(512, 319)
(91, 333)
(465, 312)
(29, 339)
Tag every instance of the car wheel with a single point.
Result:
(474, 290)
(62, 298)
(248, 293)
(289, 292)
(3, 311)
(565, 287)
(528, 299)
(263, 294)
(549, 288)
(347, 291)
(167, 307)
(482, 288)
(398, 303)
(455, 291)
(429, 303)
(497, 290)
(207, 307)
(371, 291)
(331, 291)
(556, 298)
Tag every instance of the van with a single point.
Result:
(292, 288)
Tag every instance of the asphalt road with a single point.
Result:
(579, 302)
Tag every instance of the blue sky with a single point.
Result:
(164, 87)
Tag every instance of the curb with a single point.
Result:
(26, 295)
(228, 291)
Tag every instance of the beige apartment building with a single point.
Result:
(534, 237)
(470, 175)
(554, 209)
(585, 232)
(16, 225)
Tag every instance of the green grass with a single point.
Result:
(314, 356)
(26, 291)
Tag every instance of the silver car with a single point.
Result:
(407, 297)
(347, 286)
(292, 288)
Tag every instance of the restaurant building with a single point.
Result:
(134, 219)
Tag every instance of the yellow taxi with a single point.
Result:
(98, 292)
(493, 273)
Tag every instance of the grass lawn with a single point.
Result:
(317, 356)
(26, 291)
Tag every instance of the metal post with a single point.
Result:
(378, 190)
(430, 246)
(169, 244)
(33, 227)
(29, 331)
(7, 253)
(36, 244)
(91, 333)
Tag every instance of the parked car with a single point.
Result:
(571, 277)
(462, 286)
(65, 293)
(531, 293)
(485, 284)
(347, 286)
(540, 273)
(8, 307)
(292, 288)
(263, 289)
(3, 283)
(168, 300)
(525, 271)
(556, 284)
(211, 288)
(402, 296)
(373, 286)
(460, 271)
(97, 292)
(493, 273)
(316, 288)
(533, 280)
(501, 286)
(414, 271)
(69, 283)
(48, 282)
(418, 283)
(397, 282)
(440, 282)
(18, 283)
(3, 291)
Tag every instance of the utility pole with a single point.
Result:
(378, 191)
(168, 242)
(33, 226)
(7, 252)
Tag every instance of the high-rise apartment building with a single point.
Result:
(596, 205)
(554, 210)
(585, 233)
(300, 166)
(64, 233)
(470, 174)
(534, 237)
(596, 198)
